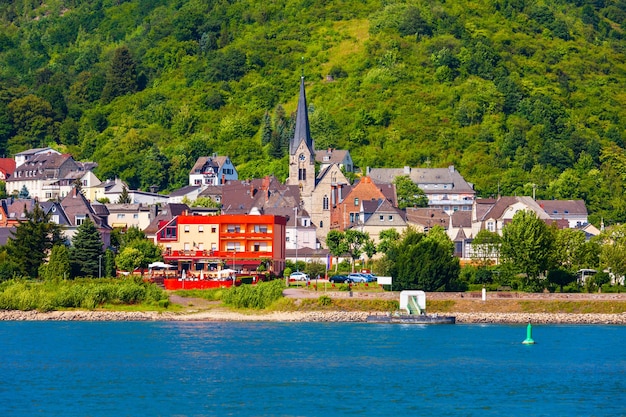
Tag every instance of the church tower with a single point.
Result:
(302, 151)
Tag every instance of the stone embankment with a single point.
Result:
(302, 316)
(553, 318)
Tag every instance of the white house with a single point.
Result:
(212, 170)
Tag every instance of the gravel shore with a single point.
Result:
(311, 316)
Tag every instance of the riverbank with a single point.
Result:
(466, 307)
(303, 316)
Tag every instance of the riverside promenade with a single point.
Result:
(202, 310)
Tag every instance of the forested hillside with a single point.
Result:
(519, 95)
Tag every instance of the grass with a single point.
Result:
(526, 306)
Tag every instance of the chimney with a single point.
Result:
(407, 170)
(223, 179)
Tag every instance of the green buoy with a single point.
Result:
(529, 335)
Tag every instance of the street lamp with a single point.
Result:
(100, 266)
(295, 209)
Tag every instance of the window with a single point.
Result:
(233, 247)
(48, 195)
(490, 226)
(186, 228)
(301, 174)
(234, 228)
(136, 216)
(356, 201)
(390, 217)
(80, 219)
(259, 247)
(381, 218)
(321, 224)
(200, 229)
(325, 203)
(197, 182)
(120, 215)
(260, 228)
(213, 229)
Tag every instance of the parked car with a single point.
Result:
(357, 277)
(299, 276)
(370, 277)
(339, 279)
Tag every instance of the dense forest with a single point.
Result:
(521, 96)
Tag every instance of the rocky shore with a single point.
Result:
(298, 316)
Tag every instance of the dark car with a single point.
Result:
(339, 279)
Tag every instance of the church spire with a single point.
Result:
(302, 130)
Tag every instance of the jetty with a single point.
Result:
(412, 311)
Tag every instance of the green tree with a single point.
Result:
(421, 263)
(527, 245)
(613, 249)
(409, 194)
(387, 239)
(32, 240)
(86, 251)
(135, 239)
(58, 267)
(561, 277)
(355, 242)
(486, 247)
(129, 259)
(122, 76)
(335, 241)
(124, 197)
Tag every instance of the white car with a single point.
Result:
(299, 276)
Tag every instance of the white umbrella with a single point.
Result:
(160, 265)
(183, 275)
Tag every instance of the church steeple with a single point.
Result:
(302, 130)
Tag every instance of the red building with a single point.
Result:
(203, 245)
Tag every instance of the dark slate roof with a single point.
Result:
(462, 218)
(556, 208)
(330, 156)
(5, 234)
(184, 190)
(75, 204)
(302, 130)
(267, 195)
(166, 212)
(427, 217)
(42, 166)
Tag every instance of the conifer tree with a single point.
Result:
(58, 267)
(124, 198)
(122, 76)
(86, 250)
(32, 241)
(267, 129)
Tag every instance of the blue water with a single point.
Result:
(309, 369)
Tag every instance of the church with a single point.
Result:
(321, 193)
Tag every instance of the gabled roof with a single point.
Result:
(461, 218)
(331, 156)
(503, 203)
(556, 208)
(7, 165)
(427, 217)
(75, 204)
(267, 195)
(211, 191)
(216, 162)
(34, 151)
(42, 166)
(425, 178)
(167, 212)
(5, 234)
(181, 192)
